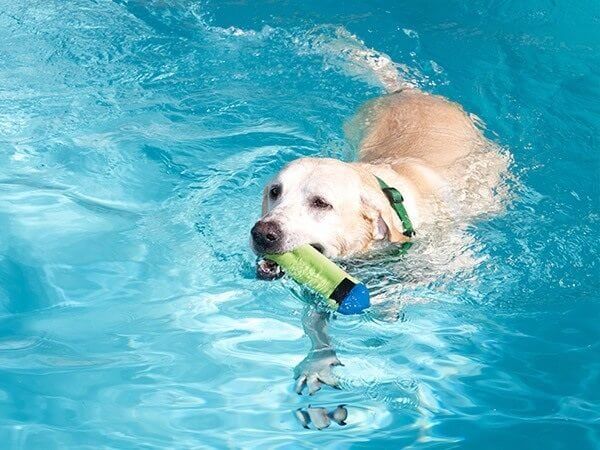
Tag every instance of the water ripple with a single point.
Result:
(135, 138)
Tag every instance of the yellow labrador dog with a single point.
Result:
(425, 147)
(418, 143)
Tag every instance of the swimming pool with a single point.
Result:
(135, 137)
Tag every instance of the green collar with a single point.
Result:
(397, 202)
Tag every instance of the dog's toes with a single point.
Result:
(329, 379)
(302, 417)
(314, 384)
(314, 388)
(339, 415)
(300, 383)
(319, 417)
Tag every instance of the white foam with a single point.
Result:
(340, 50)
(344, 51)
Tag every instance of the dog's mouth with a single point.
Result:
(319, 248)
(270, 270)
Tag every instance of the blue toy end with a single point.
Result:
(356, 301)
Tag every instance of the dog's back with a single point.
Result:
(433, 142)
(412, 124)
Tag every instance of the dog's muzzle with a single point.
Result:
(267, 236)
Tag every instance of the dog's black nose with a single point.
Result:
(267, 235)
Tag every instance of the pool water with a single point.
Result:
(135, 138)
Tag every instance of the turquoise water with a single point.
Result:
(135, 137)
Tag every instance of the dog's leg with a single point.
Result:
(317, 368)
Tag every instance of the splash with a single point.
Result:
(345, 52)
(339, 49)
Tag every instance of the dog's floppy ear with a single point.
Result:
(378, 211)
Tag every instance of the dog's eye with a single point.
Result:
(275, 191)
(320, 203)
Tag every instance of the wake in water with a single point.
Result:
(339, 50)
(345, 52)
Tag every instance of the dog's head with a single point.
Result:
(335, 206)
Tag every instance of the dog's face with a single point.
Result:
(337, 207)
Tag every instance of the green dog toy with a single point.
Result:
(308, 266)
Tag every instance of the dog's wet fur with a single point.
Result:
(421, 144)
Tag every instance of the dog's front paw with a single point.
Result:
(321, 418)
(316, 370)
